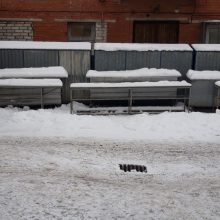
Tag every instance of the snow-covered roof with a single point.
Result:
(45, 45)
(30, 83)
(132, 84)
(144, 72)
(203, 75)
(217, 83)
(42, 72)
(206, 47)
(141, 47)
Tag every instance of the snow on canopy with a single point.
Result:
(42, 72)
(206, 47)
(144, 72)
(217, 83)
(45, 45)
(31, 83)
(132, 84)
(141, 47)
(203, 75)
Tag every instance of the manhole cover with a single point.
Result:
(130, 167)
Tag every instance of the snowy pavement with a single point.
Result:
(62, 178)
(54, 165)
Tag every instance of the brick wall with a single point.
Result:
(101, 31)
(16, 30)
(191, 33)
(118, 16)
(50, 31)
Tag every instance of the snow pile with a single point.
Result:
(42, 72)
(30, 83)
(206, 47)
(217, 83)
(45, 45)
(144, 72)
(141, 47)
(132, 84)
(60, 123)
(203, 75)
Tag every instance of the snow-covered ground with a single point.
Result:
(62, 178)
(200, 127)
(54, 165)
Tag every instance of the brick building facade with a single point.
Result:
(151, 21)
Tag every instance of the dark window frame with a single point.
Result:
(90, 38)
(207, 27)
(162, 22)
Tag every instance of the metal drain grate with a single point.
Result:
(130, 167)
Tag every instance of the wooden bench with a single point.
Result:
(24, 86)
(217, 84)
(130, 89)
(42, 86)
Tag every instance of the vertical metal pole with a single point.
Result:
(184, 94)
(42, 97)
(129, 101)
(176, 100)
(189, 98)
(218, 98)
(214, 99)
(71, 101)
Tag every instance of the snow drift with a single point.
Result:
(60, 123)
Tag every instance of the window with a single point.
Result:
(81, 31)
(212, 33)
(156, 32)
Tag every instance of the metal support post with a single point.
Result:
(42, 97)
(189, 99)
(218, 99)
(71, 101)
(184, 94)
(129, 101)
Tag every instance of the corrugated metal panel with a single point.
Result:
(11, 59)
(41, 58)
(65, 61)
(138, 59)
(179, 60)
(202, 93)
(29, 97)
(138, 94)
(80, 65)
(77, 63)
(133, 79)
(110, 60)
(106, 60)
(207, 61)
